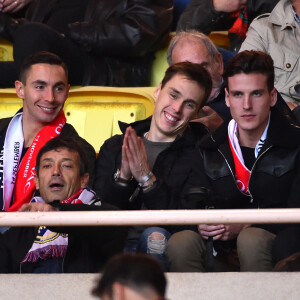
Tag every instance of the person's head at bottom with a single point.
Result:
(131, 277)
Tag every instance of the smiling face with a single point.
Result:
(177, 103)
(250, 101)
(59, 175)
(44, 93)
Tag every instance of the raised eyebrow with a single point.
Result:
(59, 83)
(175, 91)
(49, 159)
(191, 101)
(67, 159)
(40, 82)
(204, 64)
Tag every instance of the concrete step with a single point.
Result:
(181, 286)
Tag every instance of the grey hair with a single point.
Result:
(210, 46)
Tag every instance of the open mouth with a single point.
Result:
(56, 186)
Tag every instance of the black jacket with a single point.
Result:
(177, 169)
(68, 131)
(120, 37)
(275, 175)
(201, 15)
(89, 247)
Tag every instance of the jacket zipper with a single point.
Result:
(250, 195)
(251, 201)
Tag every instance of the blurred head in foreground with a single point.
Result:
(131, 277)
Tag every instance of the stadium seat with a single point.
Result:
(6, 50)
(94, 111)
(220, 39)
(9, 102)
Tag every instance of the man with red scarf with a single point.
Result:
(252, 161)
(44, 88)
(61, 179)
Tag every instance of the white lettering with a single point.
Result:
(59, 128)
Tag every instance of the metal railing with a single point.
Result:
(151, 217)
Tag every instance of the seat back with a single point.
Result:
(6, 50)
(95, 111)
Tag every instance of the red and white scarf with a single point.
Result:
(18, 178)
(49, 244)
(242, 173)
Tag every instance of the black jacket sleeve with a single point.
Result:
(14, 245)
(103, 233)
(124, 28)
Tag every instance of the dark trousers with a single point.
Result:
(286, 243)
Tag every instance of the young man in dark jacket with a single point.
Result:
(153, 164)
(44, 88)
(61, 179)
(110, 43)
(251, 162)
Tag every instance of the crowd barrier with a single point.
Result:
(151, 217)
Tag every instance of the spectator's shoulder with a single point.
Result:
(263, 16)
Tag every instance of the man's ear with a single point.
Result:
(84, 180)
(19, 89)
(273, 97)
(36, 181)
(68, 90)
(118, 291)
(157, 91)
(227, 98)
(220, 63)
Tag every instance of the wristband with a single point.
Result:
(146, 178)
(149, 187)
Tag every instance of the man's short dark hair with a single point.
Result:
(41, 57)
(59, 143)
(249, 62)
(191, 71)
(136, 271)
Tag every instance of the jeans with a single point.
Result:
(3, 229)
(154, 247)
